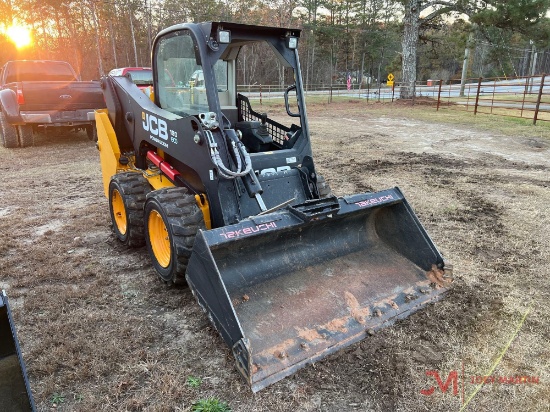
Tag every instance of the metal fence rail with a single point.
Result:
(521, 97)
(374, 92)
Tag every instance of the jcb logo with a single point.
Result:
(154, 125)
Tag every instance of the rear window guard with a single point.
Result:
(277, 131)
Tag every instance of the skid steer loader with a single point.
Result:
(15, 393)
(228, 201)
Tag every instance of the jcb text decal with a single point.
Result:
(156, 127)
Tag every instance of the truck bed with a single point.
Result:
(61, 96)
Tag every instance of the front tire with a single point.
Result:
(9, 133)
(127, 195)
(172, 220)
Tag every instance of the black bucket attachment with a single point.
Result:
(15, 393)
(288, 288)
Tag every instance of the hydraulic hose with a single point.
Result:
(239, 151)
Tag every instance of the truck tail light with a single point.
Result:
(20, 97)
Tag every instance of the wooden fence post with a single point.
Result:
(368, 90)
(439, 94)
(524, 93)
(538, 100)
(477, 95)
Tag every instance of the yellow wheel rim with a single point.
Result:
(119, 212)
(160, 241)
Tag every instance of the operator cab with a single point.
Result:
(196, 77)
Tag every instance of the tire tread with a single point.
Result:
(135, 188)
(185, 219)
(9, 133)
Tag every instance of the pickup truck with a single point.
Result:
(39, 94)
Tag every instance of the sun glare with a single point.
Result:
(20, 36)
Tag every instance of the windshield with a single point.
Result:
(181, 86)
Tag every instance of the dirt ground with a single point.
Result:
(99, 331)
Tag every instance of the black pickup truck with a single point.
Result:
(38, 94)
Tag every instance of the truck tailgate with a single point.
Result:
(61, 95)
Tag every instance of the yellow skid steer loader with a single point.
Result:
(228, 200)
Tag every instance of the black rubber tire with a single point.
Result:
(91, 132)
(133, 189)
(323, 187)
(9, 133)
(26, 136)
(182, 218)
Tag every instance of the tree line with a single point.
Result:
(363, 40)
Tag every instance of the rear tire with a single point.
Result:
(172, 220)
(9, 133)
(91, 132)
(323, 188)
(26, 136)
(127, 195)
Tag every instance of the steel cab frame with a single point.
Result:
(204, 48)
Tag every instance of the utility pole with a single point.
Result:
(465, 63)
(113, 42)
(133, 35)
(149, 27)
(533, 64)
(97, 39)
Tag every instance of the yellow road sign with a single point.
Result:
(391, 77)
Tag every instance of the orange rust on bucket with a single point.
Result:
(309, 334)
(358, 313)
(439, 277)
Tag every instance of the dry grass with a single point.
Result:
(99, 329)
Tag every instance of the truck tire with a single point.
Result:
(172, 220)
(91, 132)
(127, 195)
(26, 136)
(323, 187)
(9, 133)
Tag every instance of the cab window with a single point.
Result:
(180, 81)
